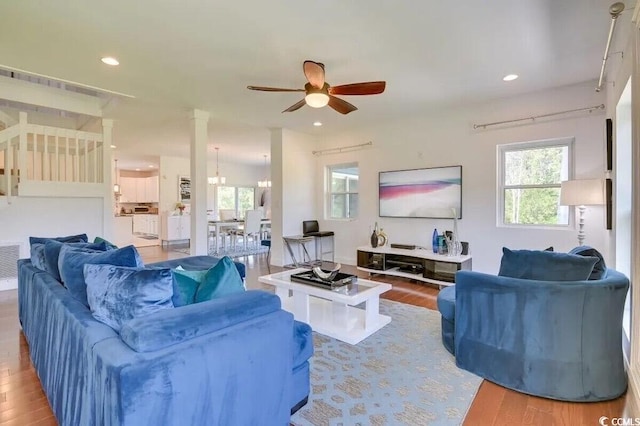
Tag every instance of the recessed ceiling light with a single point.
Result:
(510, 77)
(110, 61)
(317, 123)
(137, 170)
(151, 166)
(113, 146)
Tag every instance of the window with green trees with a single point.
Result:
(343, 191)
(238, 198)
(529, 177)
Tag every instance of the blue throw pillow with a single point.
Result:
(185, 285)
(118, 294)
(72, 260)
(80, 238)
(599, 268)
(545, 265)
(52, 254)
(37, 256)
(222, 279)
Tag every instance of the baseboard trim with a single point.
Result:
(8, 284)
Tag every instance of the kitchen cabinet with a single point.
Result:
(139, 190)
(128, 190)
(145, 224)
(152, 189)
(175, 228)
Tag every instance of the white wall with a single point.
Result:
(50, 217)
(173, 167)
(292, 196)
(445, 138)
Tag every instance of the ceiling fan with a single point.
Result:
(318, 93)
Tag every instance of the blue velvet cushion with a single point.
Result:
(185, 285)
(80, 238)
(72, 260)
(222, 279)
(52, 254)
(545, 265)
(147, 334)
(118, 294)
(599, 268)
(37, 256)
(302, 342)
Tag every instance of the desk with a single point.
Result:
(220, 225)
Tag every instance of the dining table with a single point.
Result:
(220, 227)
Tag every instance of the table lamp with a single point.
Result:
(582, 193)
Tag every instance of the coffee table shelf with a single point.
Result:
(333, 312)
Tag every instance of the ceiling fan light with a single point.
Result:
(317, 100)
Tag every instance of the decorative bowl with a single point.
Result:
(326, 275)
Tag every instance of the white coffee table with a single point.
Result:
(332, 312)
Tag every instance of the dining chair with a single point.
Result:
(251, 228)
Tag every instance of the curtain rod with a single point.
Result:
(590, 109)
(341, 149)
(614, 10)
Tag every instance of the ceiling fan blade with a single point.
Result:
(314, 71)
(295, 106)
(273, 89)
(368, 88)
(343, 107)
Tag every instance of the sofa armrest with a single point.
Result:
(172, 326)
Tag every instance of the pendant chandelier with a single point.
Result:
(217, 179)
(266, 183)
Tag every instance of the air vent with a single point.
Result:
(9, 255)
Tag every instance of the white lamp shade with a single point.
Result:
(582, 192)
(217, 180)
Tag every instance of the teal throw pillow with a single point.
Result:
(220, 280)
(109, 244)
(545, 265)
(118, 294)
(185, 285)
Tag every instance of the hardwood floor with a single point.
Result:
(22, 401)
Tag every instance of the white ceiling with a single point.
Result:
(180, 55)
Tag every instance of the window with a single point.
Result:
(529, 177)
(343, 191)
(238, 199)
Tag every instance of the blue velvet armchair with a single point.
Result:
(555, 339)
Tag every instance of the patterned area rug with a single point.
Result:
(238, 251)
(401, 375)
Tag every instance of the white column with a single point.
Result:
(22, 148)
(199, 137)
(277, 247)
(109, 197)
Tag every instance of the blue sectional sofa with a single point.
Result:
(235, 360)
